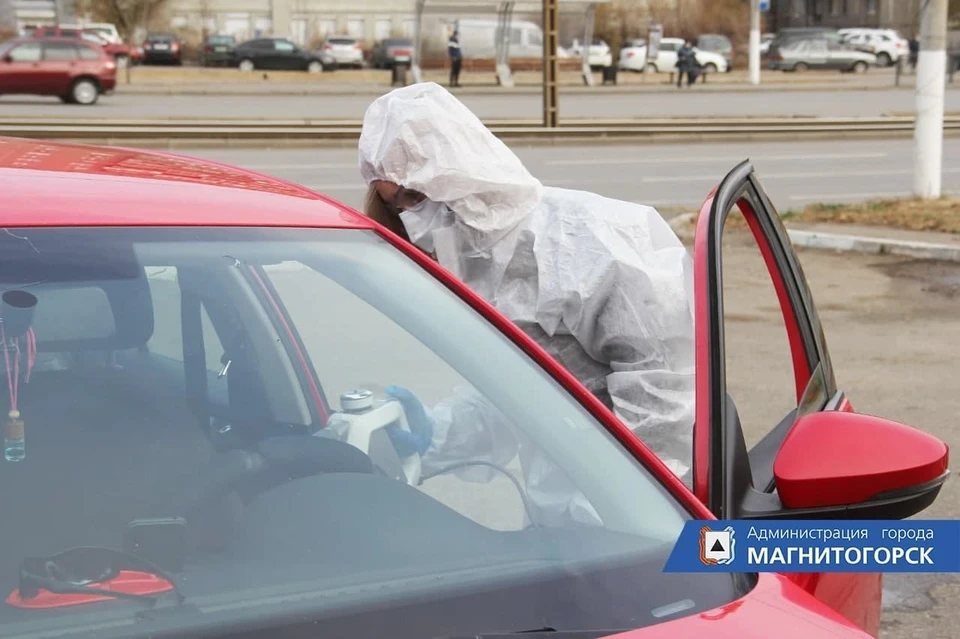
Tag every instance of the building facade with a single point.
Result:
(17, 14)
(303, 21)
(903, 15)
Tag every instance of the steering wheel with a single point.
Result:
(275, 461)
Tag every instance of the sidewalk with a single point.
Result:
(198, 81)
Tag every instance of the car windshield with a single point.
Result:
(182, 394)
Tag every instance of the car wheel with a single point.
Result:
(651, 68)
(246, 65)
(710, 68)
(84, 91)
(884, 60)
(315, 66)
(800, 67)
(860, 67)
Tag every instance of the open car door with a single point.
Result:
(737, 483)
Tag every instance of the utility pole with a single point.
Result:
(754, 41)
(931, 77)
(550, 37)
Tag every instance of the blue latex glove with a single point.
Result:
(417, 440)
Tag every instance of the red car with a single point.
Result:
(72, 70)
(121, 53)
(183, 331)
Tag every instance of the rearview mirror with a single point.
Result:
(837, 464)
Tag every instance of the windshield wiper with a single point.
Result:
(92, 571)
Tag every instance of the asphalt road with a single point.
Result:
(494, 105)
(794, 174)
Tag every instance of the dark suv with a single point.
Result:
(279, 54)
(68, 68)
(162, 48)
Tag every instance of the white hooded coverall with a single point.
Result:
(604, 286)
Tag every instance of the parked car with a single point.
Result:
(345, 50)
(716, 43)
(217, 50)
(765, 41)
(162, 48)
(197, 325)
(387, 53)
(819, 53)
(886, 44)
(71, 69)
(599, 55)
(634, 57)
(279, 54)
(117, 50)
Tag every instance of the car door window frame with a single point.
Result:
(724, 471)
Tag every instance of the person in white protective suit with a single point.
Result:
(605, 286)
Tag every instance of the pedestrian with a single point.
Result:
(605, 286)
(914, 53)
(456, 58)
(687, 64)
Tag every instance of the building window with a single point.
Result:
(382, 29)
(871, 6)
(355, 28)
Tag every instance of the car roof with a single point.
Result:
(56, 184)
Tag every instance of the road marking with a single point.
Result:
(873, 195)
(694, 159)
(302, 166)
(326, 188)
(793, 176)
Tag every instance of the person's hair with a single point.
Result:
(378, 211)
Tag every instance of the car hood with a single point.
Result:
(776, 606)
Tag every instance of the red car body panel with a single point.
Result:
(51, 184)
(856, 596)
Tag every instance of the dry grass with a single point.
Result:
(942, 215)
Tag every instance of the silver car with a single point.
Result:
(819, 53)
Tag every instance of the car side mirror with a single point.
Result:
(8, 58)
(838, 464)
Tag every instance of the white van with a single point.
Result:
(478, 38)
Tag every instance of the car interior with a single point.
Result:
(168, 417)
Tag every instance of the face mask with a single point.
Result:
(423, 219)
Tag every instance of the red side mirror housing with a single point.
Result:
(834, 459)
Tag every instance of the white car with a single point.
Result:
(599, 55)
(886, 44)
(345, 50)
(633, 57)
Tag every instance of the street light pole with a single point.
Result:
(754, 41)
(550, 36)
(931, 77)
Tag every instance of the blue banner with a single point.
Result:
(817, 546)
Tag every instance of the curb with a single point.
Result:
(874, 246)
(842, 243)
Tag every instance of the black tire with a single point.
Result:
(884, 59)
(651, 67)
(314, 66)
(860, 67)
(710, 67)
(246, 65)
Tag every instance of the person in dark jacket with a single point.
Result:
(456, 58)
(687, 64)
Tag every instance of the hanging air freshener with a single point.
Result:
(16, 316)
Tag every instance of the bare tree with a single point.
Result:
(126, 15)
